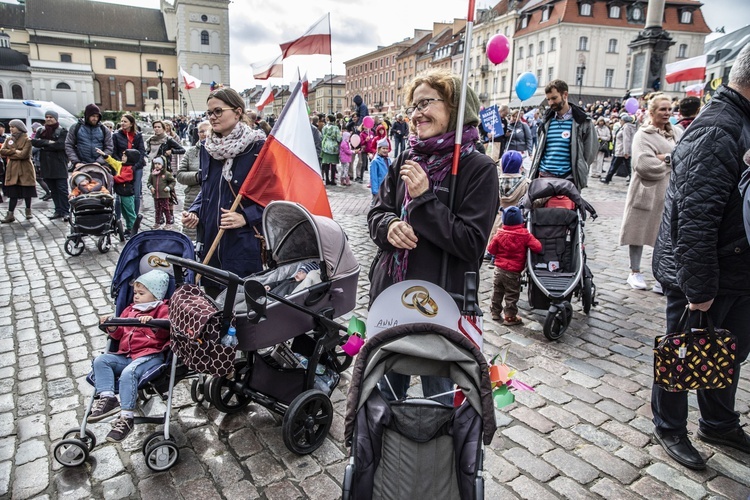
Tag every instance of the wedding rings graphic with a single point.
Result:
(156, 261)
(417, 297)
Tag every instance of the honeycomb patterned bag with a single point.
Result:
(195, 323)
(694, 358)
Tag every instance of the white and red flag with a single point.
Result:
(287, 166)
(695, 90)
(687, 69)
(189, 82)
(317, 40)
(266, 98)
(270, 68)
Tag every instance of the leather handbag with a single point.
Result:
(694, 358)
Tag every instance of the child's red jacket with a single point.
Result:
(509, 247)
(137, 341)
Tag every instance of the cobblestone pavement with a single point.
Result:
(584, 432)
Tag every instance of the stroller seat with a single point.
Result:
(555, 228)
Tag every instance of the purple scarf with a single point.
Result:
(435, 156)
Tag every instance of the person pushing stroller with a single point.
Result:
(509, 248)
(141, 348)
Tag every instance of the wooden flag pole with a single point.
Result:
(219, 235)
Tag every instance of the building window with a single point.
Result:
(153, 93)
(614, 12)
(97, 92)
(505, 31)
(585, 9)
(552, 44)
(539, 75)
(503, 83)
(583, 43)
(151, 66)
(66, 58)
(62, 86)
(129, 94)
(608, 77)
(520, 52)
(550, 74)
(110, 63)
(545, 14)
(635, 15)
(16, 91)
(682, 51)
(494, 85)
(686, 17)
(531, 50)
(524, 22)
(1, 92)
(541, 47)
(205, 38)
(612, 46)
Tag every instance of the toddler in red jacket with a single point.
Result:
(509, 248)
(141, 348)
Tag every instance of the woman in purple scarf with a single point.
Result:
(410, 222)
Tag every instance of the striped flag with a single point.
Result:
(472, 327)
(316, 40)
(687, 69)
(270, 68)
(266, 98)
(189, 82)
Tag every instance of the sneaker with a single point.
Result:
(103, 408)
(596, 176)
(169, 227)
(157, 226)
(512, 320)
(120, 429)
(736, 438)
(657, 288)
(636, 281)
(488, 256)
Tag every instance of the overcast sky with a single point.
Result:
(359, 26)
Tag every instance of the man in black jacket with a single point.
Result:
(702, 259)
(54, 163)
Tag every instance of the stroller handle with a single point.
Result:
(154, 323)
(224, 276)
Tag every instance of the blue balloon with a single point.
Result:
(526, 85)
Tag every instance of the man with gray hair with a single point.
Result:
(399, 133)
(702, 260)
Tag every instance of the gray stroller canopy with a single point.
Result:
(293, 234)
(423, 349)
(96, 171)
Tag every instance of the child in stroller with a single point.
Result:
(85, 184)
(140, 350)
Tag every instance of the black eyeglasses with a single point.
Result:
(217, 112)
(421, 105)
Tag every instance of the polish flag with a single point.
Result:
(270, 68)
(687, 69)
(694, 90)
(305, 85)
(472, 327)
(190, 82)
(317, 40)
(266, 98)
(287, 166)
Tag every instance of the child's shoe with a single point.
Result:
(512, 320)
(157, 226)
(120, 429)
(168, 227)
(103, 408)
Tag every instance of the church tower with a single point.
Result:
(200, 29)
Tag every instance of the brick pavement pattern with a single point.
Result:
(584, 433)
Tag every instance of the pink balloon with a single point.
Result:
(368, 122)
(631, 105)
(498, 49)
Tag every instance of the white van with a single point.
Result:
(32, 112)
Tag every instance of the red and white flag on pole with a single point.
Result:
(189, 82)
(687, 69)
(695, 90)
(317, 40)
(266, 98)
(270, 68)
(472, 327)
(287, 166)
(305, 82)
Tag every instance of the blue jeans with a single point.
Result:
(109, 366)
(138, 185)
(398, 145)
(670, 409)
(431, 385)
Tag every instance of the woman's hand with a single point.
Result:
(415, 178)
(401, 235)
(168, 152)
(231, 220)
(189, 220)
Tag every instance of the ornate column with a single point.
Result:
(649, 49)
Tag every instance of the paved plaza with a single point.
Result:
(584, 433)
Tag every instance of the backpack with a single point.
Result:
(331, 139)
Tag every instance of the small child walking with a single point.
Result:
(161, 183)
(124, 187)
(379, 168)
(509, 248)
(141, 348)
(345, 159)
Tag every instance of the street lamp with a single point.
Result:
(581, 70)
(160, 74)
(174, 84)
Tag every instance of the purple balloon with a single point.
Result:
(631, 105)
(498, 49)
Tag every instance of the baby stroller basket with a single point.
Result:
(447, 440)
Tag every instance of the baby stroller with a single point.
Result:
(93, 214)
(560, 270)
(144, 252)
(290, 360)
(418, 448)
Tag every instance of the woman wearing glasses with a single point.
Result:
(225, 160)
(411, 222)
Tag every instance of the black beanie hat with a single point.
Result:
(91, 109)
(512, 216)
(133, 156)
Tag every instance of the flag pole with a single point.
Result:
(331, 61)
(190, 98)
(459, 129)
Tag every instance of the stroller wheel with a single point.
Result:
(557, 321)
(223, 394)
(307, 421)
(588, 291)
(104, 243)
(197, 388)
(75, 433)
(74, 246)
(154, 437)
(71, 452)
(120, 231)
(162, 455)
(342, 360)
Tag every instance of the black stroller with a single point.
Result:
(93, 214)
(290, 360)
(556, 215)
(144, 252)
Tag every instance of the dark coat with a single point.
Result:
(239, 249)
(82, 141)
(701, 248)
(52, 158)
(120, 144)
(463, 234)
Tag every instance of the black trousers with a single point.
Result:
(615, 165)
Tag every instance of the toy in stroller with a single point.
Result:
(93, 213)
(144, 252)
(290, 360)
(416, 447)
(560, 270)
